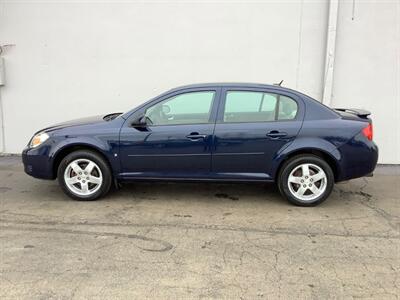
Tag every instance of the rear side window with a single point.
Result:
(247, 106)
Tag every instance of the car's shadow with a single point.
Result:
(198, 191)
(181, 191)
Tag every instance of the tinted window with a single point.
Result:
(189, 108)
(269, 102)
(243, 106)
(287, 108)
(240, 102)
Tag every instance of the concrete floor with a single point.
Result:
(197, 241)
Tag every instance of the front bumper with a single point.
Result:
(37, 163)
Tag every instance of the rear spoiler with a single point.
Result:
(358, 112)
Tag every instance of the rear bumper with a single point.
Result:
(37, 163)
(359, 158)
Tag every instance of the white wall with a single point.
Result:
(367, 68)
(82, 58)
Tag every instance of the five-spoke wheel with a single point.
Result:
(84, 175)
(306, 180)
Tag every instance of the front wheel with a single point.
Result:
(306, 180)
(84, 175)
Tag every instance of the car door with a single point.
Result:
(176, 141)
(253, 125)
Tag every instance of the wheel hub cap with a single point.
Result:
(83, 177)
(307, 182)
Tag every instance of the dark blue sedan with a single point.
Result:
(210, 132)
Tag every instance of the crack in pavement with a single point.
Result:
(196, 226)
(163, 245)
(392, 220)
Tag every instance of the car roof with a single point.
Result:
(231, 84)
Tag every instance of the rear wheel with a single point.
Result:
(306, 180)
(84, 175)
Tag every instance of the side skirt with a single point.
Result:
(209, 177)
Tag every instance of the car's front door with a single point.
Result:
(252, 126)
(176, 140)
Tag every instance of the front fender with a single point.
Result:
(108, 150)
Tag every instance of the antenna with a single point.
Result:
(280, 83)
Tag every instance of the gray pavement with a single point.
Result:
(192, 241)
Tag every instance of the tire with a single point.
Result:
(84, 175)
(306, 188)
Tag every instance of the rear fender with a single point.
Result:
(304, 145)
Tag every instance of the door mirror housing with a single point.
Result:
(139, 121)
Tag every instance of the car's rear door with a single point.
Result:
(253, 125)
(177, 141)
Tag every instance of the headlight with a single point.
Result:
(38, 139)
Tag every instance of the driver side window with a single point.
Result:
(188, 108)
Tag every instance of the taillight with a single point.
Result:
(368, 132)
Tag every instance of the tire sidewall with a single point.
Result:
(105, 170)
(293, 163)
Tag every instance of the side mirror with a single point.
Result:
(139, 121)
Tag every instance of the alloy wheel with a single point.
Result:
(83, 177)
(307, 182)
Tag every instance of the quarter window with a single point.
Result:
(188, 108)
(287, 108)
(244, 106)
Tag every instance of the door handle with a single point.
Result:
(196, 136)
(276, 134)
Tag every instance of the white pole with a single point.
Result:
(2, 131)
(330, 52)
